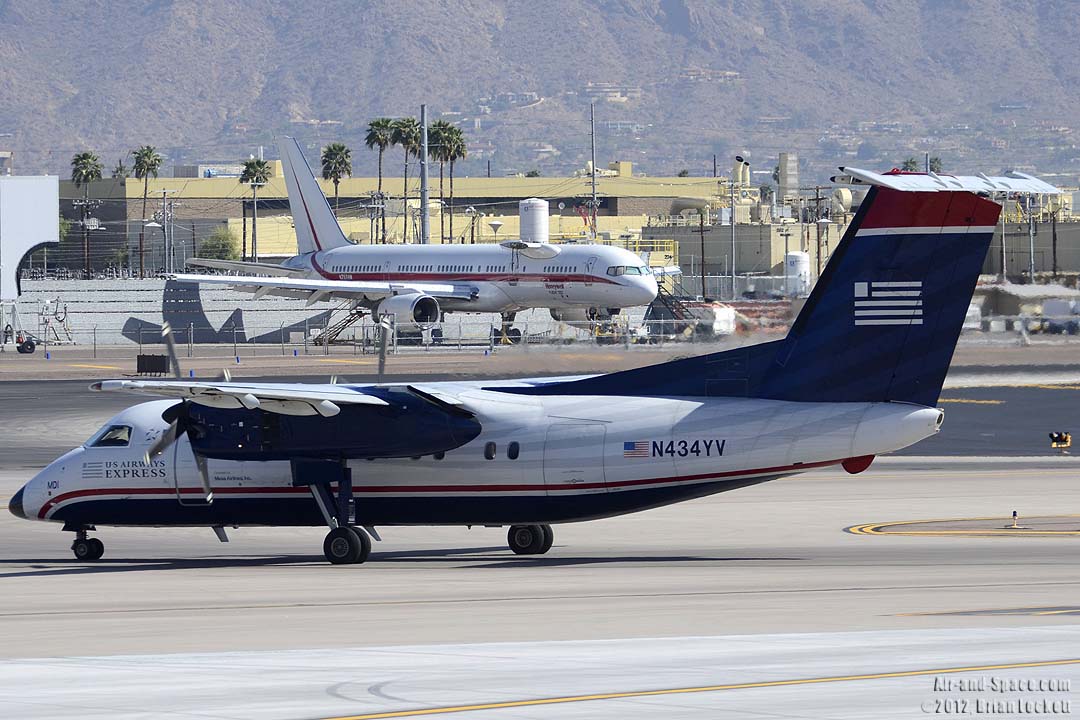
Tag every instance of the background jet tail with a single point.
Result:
(880, 325)
(316, 227)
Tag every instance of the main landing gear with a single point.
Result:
(87, 549)
(530, 539)
(345, 544)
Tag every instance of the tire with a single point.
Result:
(83, 550)
(515, 336)
(27, 347)
(97, 549)
(549, 538)
(342, 546)
(365, 544)
(525, 539)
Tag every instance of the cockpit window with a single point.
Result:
(112, 436)
(616, 270)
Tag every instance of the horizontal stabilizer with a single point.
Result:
(932, 182)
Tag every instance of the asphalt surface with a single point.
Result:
(174, 624)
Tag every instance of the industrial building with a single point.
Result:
(690, 217)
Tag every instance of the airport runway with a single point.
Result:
(756, 568)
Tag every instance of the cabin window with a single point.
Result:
(112, 436)
(489, 451)
(513, 450)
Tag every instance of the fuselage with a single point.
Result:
(536, 460)
(576, 276)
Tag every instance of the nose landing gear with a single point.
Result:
(87, 549)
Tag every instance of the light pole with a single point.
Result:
(255, 185)
(151, 225)
(786, 234)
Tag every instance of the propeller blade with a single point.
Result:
(204, 475)
(168, 437)
(170, 346)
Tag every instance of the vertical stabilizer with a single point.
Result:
(316, 227)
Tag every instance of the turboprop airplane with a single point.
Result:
(416, 284)
(858, 375)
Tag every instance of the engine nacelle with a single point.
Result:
(415, 310)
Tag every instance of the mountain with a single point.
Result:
(983, 84)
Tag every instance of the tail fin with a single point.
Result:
(883, 320)
(316, 227)
(881, 324)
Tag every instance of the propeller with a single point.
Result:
(180, 423)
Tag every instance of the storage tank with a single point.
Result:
(533, 213)
(797, 274)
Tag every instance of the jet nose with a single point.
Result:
(648, 289)
(15, 505)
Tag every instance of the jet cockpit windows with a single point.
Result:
(111, 436)
(616, 270)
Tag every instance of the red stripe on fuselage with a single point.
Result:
(416, 489)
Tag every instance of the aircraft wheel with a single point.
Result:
(98, 548)
(88, 549)
(342, 546)
(549, 538)
(365, 543)
(525, 539)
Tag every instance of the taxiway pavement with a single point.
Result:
(765, 564)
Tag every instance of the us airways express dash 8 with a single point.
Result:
(858, 375)
(418, 283)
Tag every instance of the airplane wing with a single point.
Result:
(246, 267)
(314, 290)
(286, 399)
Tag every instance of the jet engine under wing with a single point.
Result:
(284, 399)
(316, 289)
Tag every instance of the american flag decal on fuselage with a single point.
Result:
(635, 449)
(888, 303)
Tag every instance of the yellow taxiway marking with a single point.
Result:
(95, 367)
(703, 689)
(971, 402)
(877, 528)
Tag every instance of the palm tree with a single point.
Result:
(910, 165)
(336, 164)
(935, 164)
(406, 134)
(86, 167)
(256, 173)
(380, 134)
(455, 150)
(147, 163)
(120, 171)
(438, 139)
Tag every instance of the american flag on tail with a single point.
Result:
(888, 303)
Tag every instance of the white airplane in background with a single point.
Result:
(416, 284)
(859, 374)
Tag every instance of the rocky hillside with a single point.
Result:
(675, 80)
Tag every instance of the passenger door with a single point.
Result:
(574, 457)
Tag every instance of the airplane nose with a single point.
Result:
(15, 505)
